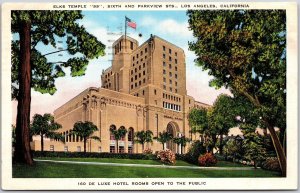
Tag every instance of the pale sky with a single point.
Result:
(169, 25)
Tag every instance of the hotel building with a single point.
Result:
(144, 89)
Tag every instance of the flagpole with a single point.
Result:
(125, 31)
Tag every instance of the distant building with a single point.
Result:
(144, 89)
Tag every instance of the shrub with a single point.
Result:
(194, 152)
(147, 151)
(271, 163)
(207, 160)
(167, 157)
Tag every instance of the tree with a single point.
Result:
(181, 141)
(245, 51)
(143, 137)
(233, 148)
(198, 120)
(45, 126)
(164, 137)
(118, 134)
(32, 68)
(222, 117)
(85, 130)
(253, 147)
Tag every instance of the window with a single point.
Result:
(135, 70)
(131, 45)
(175, 90)
(164, 56)
(140, 67)
(175, 61)
(51, 147)
(78, 149)
(137, 56)
(164, 79)
(99, 149)
(155, 91)
(135, 77)
(163, 95)
(164, 71)
(170, 89)
(131, 79)
(144, 72)
(170, 74)
(175, 68)
(112, 149)
(175, 53)
(164, 87)
(137, 94)
(143, 92)
(170, 81)
(140, 82)
(164, 64)
(170, 66)
(66, 148)
(121, 149)
(175, 83)
(144, 65)
(131, 72)
(139, 75)
(130, 150)
(176, 76)
(132, 86)
(145, 57)
(144, 80)
(141, 53)
(170, 58)
(135, 84)
(146, 50)
(170, 51)
(164, 48)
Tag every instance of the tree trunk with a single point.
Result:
(42, 142)
(117, 146)
(22, 151)
(221, 144)
(279, 150)
(142, 148)
(84, 145)
(163, 146)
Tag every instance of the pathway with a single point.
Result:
(146, 165)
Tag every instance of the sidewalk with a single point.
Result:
(147, 165)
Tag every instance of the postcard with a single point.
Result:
(149, 96)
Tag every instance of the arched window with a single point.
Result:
(112, 137)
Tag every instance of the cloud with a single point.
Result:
(167, 26)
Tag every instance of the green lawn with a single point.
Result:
(66, 170)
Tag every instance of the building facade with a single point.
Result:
(144, 89)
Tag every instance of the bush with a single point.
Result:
(271, 163)
(94, 155)
(207, 160)
(147, 151)
(167, 157)
(194, 152)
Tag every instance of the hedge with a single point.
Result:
(93, 155)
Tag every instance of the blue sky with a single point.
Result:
(169, 25)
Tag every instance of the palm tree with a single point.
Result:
(85, 130)
(181, 141)
(163, 138)
(45, 126)
(143, 137)
(118, 134)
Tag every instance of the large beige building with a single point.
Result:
(144, 89)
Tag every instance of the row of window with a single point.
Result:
(170, 66)
(139, 75)
(170, 81)
(170, 74)
(170, 89)
(78, 148)
(137, 62)
(136, 84)
(141, 54)
(171, 106)
(112, 149)
(138, 68)
(170, 51)
(171, 97)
